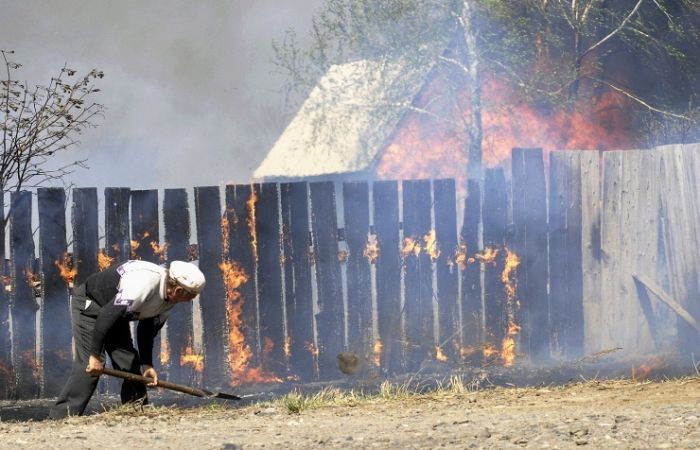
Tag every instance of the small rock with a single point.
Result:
(230, 446)
(581, 442)
(483, 434)
(520, 441)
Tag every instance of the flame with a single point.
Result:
(431, 245)
(489, 351)
(371, 250)
(342, 256)
(288, 347)
(165, 353)
(103, 261)
(642, 372)
(465, 352)
(510, 284)
(410, 245)
(34, 279)
(252, 201)
(311, 347)
(429, 145)
(439, 355)
(189, 357)
(487, 256)
(378, 346)
(159, 250)
(65, 268)
(7, 282)
(461, 256)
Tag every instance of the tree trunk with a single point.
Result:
(474, 169)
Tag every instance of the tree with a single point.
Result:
(39, 122)
(557, 55)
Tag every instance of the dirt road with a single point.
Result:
(610, 414)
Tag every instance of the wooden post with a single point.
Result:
(24, 304)
(212, 300)
(85, 233)
(357, 231)
(241, 203)
(179, 327)
(117, 237)
(446, 266)
(388, 349)
(55, 317)
(418, 274)
(591, 256)
(267, 229)
(530, 245)
(472, 307)
(330, 323)
(300, 317)
(494, 223)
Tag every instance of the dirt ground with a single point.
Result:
(597, 414)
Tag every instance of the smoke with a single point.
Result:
(188, 86)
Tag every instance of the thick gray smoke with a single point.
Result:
(189, 90)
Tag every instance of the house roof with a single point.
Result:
(345, 121)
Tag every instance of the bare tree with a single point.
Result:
(40, 121)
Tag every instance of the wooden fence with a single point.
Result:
(524, 271)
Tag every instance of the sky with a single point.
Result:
(191, 95)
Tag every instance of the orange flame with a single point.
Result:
(103, 261)
(410, 245)
(439, 355)
(190, 358)
(371, 250)
(311, 347)
(342, 256)
(489, 351)
(252, 201)
(34, 279)
(643, 372)
(288, 347)
(159, 250)
(431, 245)
(487, 256)
(378, 347)
(65, 268)
(461, 256)
(165, 353)
(510, 283)
(7, 282)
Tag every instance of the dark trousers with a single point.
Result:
(119, 346)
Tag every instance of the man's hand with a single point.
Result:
(95, 366)
(150, 372)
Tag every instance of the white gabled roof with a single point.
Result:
(345, 121)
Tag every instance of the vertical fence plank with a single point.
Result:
(494, 229)
(330, 322)
(295, 204)
(591, 252)
(55, 329)
(357, 231)
(117, 240)
(241, 201)
(267, 228)
(6, 375)
(85, 233)
(530, 244)
(212, 299)
(418, 276)
(446, 266)
(179, 328)
(388, 274)
(472, 307)
(24, 304)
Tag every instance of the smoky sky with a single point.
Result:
(191, 95)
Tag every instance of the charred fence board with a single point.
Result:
(267, 229)
(388, 274)
(240, 203)
(356, 210)
(85, 233)
(286, 243)
(145, 240)
(117, 232)
(418, 276)
(24, 305)
(55, 329)
(212, 300)
(447, 271)
(565, 259)
(295, 219)
(494, 226)
(176, 225)
(530, 244)
(330, 323)
(472, 307)
(6, 376)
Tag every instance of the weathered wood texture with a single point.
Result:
(388, 347)
(85, 233)
(529, 203)
(179, 327)
(6, 375)
(359, 284)
(330, 323)
(299, 300)
(447, 271)
(117, 236)
(418, 273)
(267, 228)
(55, 332)
(471, 298)
(212, 299)
(24, 302)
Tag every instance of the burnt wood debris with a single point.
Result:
(601, 252)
